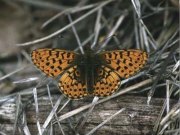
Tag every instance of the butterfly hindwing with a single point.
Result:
(125, 62)
(52, 61)
(71, 85)
(107, 82)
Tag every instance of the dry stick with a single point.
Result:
(167, 96)
(85, 41)
(97, 27)
(90, 37)
(50, 116)
(136, 3)
(76, 111)
(53, 108)
(163, 56)
(155, 128)
(104, 122)
(136, 30)
(25, 127)
(18, 107)
(71, 10)
(111, 33)
(23, 118)
(154, 44)
(163, 108)
(138, 36)
(37, 111)
(82, 122)
(53, 18)
(105, 24)
(26, 130)
(44, 4)
(2, 133)
(174, 112)
(31, 79)
(64, 28)
(64, 105)
(82, 2)
(165, 126)
(13, 72)
(165, 47)
(164, 65)
(76, 35)
(143, 28)
(137, 7)
(177, 65)
(145, 37)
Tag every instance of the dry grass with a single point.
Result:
(152, 26)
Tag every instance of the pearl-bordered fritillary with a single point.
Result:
(90, 74)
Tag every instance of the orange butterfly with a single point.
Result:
(90, 74)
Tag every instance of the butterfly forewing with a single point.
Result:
(52, 61)
(71, 85)
(107, 82)
(125, 62)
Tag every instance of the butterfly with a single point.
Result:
(89, 74)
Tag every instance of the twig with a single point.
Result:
(104, 122)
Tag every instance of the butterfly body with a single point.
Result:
(88, 66)
(89, 74)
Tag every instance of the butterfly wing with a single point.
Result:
(107, 82)
(71, 85)
(52, 61)
(125, 62)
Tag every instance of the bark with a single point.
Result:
(137, 119)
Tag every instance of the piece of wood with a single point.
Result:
(138, 117)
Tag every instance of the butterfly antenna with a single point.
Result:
(111, 33)
(99, 48)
